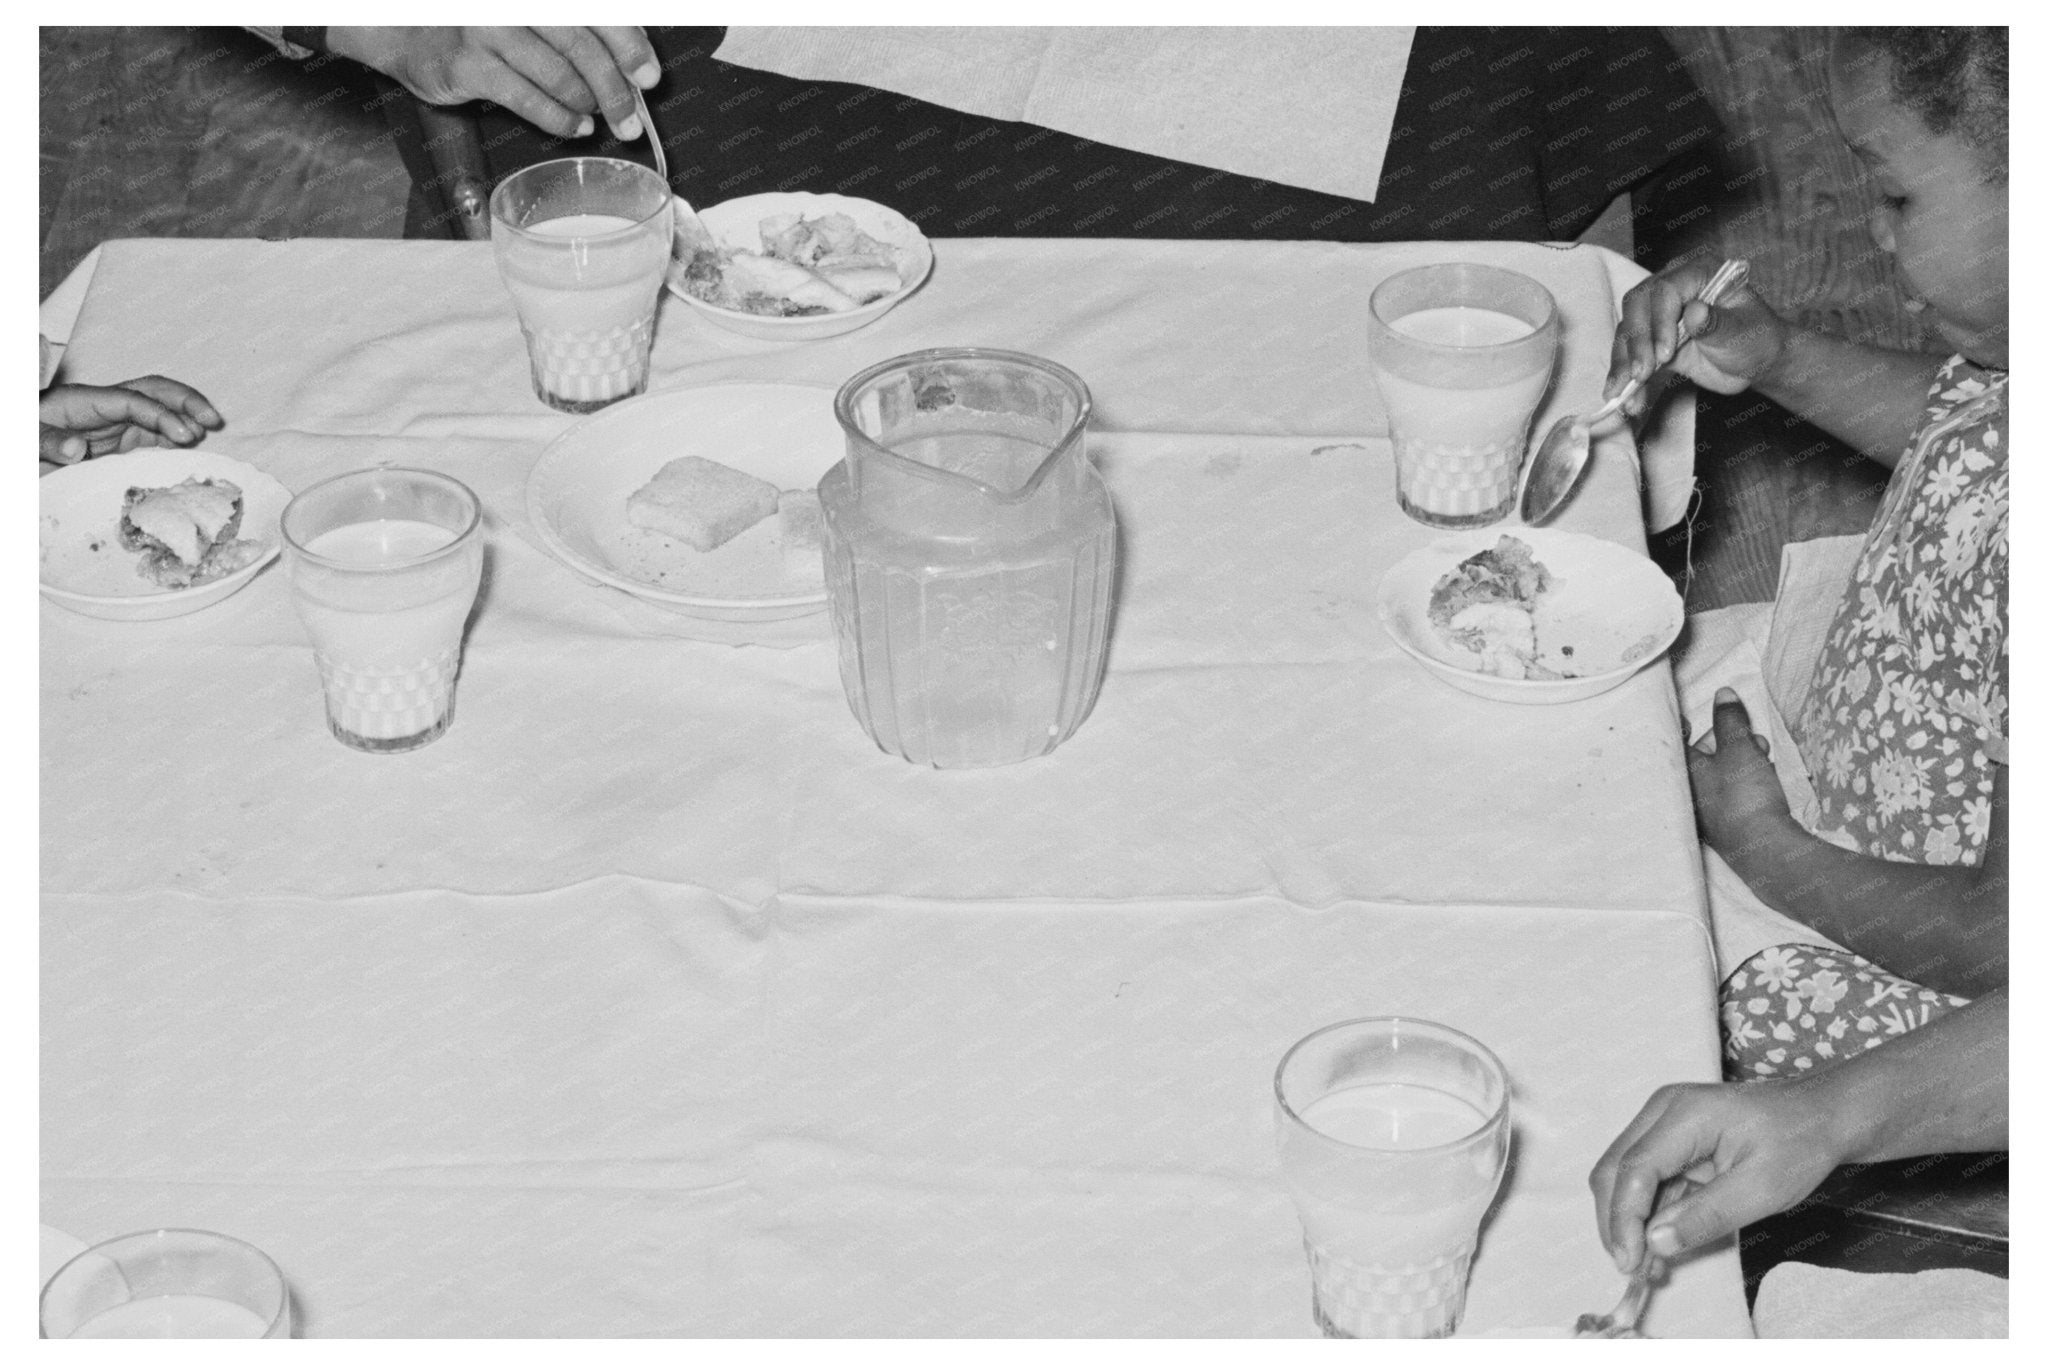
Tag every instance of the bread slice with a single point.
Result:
(701, 502)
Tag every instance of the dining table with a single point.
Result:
(653, 999)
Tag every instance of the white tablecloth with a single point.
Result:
(654, 999)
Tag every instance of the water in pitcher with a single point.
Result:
(973, 641)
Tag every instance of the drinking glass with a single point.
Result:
(1462, 354)
(385, 565)
(582, 245)
(173, 1282)
(1393, 1135)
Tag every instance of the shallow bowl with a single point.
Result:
(736, 223)
(1609, 613)
(83, 565)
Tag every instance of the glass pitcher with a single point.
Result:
(970, 553)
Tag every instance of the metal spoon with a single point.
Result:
(1622, 1321)
(653, 138)
(691, 234)
(1554, 469)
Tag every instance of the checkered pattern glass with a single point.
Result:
(582, 245)
(1393, 1134)
(1462, 355)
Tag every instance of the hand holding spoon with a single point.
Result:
(1554, 469)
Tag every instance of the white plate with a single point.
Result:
(1610, 607)
(737, 224)
(83, 565)
(576, 495)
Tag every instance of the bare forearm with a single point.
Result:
(1943, 927)
(1940, 1088)
(1871, 398)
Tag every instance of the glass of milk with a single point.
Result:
(385, 565)
(1393, 1136)
(173, 1282)
(1462, 355)
(582, 245)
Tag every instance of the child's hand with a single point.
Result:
(1735, 790)
(83, 420)
(1732, 343)
(1749, 1151)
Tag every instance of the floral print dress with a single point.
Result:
(1904, 724)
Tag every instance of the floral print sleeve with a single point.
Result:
(1799, 1006)
(1906, 715)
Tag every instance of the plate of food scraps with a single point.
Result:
(796, 266)
(1530, 615)
(700, 500)
(154, 534)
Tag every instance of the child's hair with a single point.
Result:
(1954, 79)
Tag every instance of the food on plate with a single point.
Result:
(800, 520)
(806, 266)
(701, 502)
(186, 533)
(1488, 605)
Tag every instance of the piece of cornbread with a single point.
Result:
(700, 502)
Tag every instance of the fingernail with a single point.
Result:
(1726, 696)
(647, 75)
(629, 131)
(1663, 1240)
(586, 128)
(1639, 368)
(1621, 1262)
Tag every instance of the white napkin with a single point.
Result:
(1310, 107)
(1765, 652)
(1799, 1300)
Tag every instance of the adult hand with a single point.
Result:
(82, 420)
(1733, 341)
(1749, 1150)
(1735, 790)
(554, 77)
